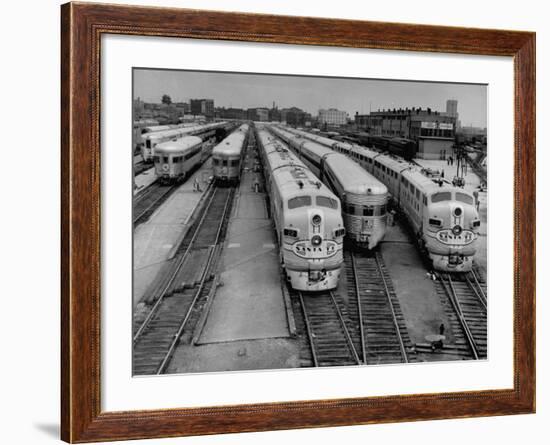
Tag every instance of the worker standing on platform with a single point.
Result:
(196, 185)
(476, 198)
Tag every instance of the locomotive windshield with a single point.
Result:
(299, 201)
(463, 197)
(324, 201)
(441, 196)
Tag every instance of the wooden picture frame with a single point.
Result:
(82, 26)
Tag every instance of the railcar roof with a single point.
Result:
(353, 177)
(178, 146)
(232, 144)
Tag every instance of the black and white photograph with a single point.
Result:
(285, 221)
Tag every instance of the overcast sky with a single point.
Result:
(310, 93)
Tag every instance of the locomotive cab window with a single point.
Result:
(368, 211)
(463, 197)
(215, 161)
(380, 210)
(324, 201)
(224, 162)
(441, 196)
(299, 201)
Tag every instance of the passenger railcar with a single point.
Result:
(307, 217)
(227, 156)
(364, 198)
(137, 129)
(175, 159)
(151, 140)
(443, 217)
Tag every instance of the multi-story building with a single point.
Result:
(332, 117)
(231, 113)
(202, 106)
(433, 131)
(295, 116)
(452, 108)
(258, 114)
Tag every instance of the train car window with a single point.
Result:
(463, 197)
(380, 210)
(368, 211)
(165, 159)
(299, 201)
(411, 188)
(224, 162)
(156, 159)
(441, 196)
(425, 200)
(418, 194)
(234, 162)
(325, 201)
(351, 209)
(215, 161)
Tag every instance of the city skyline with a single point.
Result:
(248, 90)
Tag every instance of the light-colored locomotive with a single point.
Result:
(443, 217)
(175, 159)
(227, 156)
(364, 198)
(307, 217)
(151, 140)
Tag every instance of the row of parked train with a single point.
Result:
(322, 191)
(443, 217)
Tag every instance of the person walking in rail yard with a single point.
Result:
(196, 185)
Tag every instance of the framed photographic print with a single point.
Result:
(275, 222)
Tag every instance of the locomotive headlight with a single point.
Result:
(457, 211)
(316, 220)
(316, 240)
(457, 230)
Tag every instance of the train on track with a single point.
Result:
(363, 197)
(175, 159)
(151, 140)
(307, 216)
(398, 146)
(228, 154)
(443, 217)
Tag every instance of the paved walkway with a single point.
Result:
(249, 304)
(154, 239)
(416, 292)
(144, 180)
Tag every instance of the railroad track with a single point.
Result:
(178, 297)
(381, 332)
(329, 337)
(150, 199)
(140, 167)
(465, 302)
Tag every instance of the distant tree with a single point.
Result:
(166, 99)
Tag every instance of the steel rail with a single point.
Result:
(451, 293)
(173, 275)
(359, 309)
(150, 206)
(480, 289)
(204, 276)
(394, 315)
(309, 331)
(345, 329)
